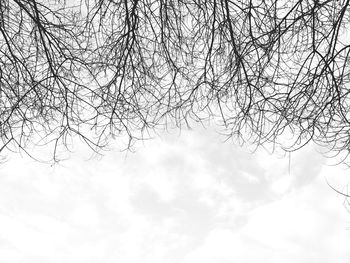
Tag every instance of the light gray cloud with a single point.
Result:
(177, 200)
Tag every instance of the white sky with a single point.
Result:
(181, 199)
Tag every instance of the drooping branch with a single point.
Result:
(111, 68)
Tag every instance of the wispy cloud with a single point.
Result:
(179, 199)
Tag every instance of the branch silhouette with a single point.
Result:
(100, 69)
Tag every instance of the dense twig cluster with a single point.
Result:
(102, 68)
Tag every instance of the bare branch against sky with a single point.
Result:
(100, 69)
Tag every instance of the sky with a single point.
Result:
(177, 199)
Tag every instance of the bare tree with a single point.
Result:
(100, 68)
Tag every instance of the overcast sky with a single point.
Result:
(189, 198)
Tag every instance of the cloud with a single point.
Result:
(178, 199)
(304, 226)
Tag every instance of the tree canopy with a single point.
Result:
(101, 68)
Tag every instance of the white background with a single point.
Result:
(189, 198)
